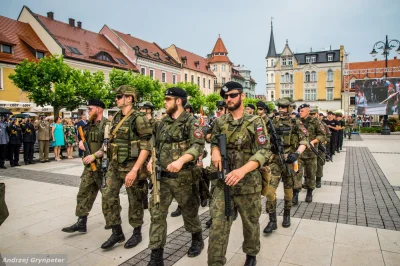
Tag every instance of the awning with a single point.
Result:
(16, 107)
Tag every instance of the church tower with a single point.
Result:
(271, 60)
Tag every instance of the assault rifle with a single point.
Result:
(323, 149)
(223, 172)
(87, 149)
(155, 175)
(104, 161)
(314, 150)
(277, 145)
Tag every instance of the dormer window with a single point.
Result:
(121, 61)
(290, 61)
(73, 50)
(307, 59)
(330, 57)
(197, 64)
(313, 59)
(39, 55)
(157, 55)
(6, 49)
(103, 56)
(145, 51)
(184, 60)
(283, 61)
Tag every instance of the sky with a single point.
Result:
(244, 26)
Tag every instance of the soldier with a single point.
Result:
(295, 140)
(129, 147)
(4, 139)
(321, 162)
(263, 111)
(179, 143)
(43, 137)
(29, 138)
(250, 108)
(308, 159)
(247, 147)
(340, 132)
(148, 109)
(90, 180)
(333, 126)
(15, 136)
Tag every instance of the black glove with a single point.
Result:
(292, 157)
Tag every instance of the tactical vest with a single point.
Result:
(287, 129)
(94, 134)
(310, 124)
(124, 146)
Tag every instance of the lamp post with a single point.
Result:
(386, 47)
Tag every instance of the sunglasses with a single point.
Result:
(232, 95)
(119, 96)
(220, 109)
(91, 108)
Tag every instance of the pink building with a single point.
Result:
(149, 58)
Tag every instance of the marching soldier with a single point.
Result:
(321, 162)
(250, 108)
(43, 128)
(247, 148)
(148, 109)
(29, 138)
(129, 147)
(14, 144)
(308, 159)
(90, 179)
(263, 111)
(179, 143)
(295, 140)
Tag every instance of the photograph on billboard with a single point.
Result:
(377, 96)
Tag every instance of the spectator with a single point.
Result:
(43, 128)
(58, 137)
(3, 141)
(14, 132)
(70, 137)
(81, 123)
(29, 138)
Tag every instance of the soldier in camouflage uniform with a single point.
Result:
(90, 180)
(308, 159)
(129, 147)
(263, 111)
(148, 109)
(247, 147)
(321, 162)
(295, 140)
(179, 143)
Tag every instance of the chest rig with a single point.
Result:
(124, 145)
(94, 134)
(287, 130)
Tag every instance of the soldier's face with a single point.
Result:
(249, 111)
(260, 111)
(93, 112)
(283, 109)
(170, 105)
(304, 112)
(233, 100)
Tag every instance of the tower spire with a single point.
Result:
(271, 48)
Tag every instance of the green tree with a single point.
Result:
(210, 101)
(50, 81)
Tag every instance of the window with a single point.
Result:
(313, 59)
(215, 81)
(272, 96)
(223, 68)
(152, 73)
(39, 55)
(121, 61)
(173, 79)
(329, 94)
(6, 49)
(283, 61)
(143, 71)
(330, 75)
(290, 61)
(192, 79)
(287, 77)
(214, 67)
(307, 76)
(209, 83)
(352, 100)
(310, 95)
(204, 82)
(287, 93)
(163, 77)
(272, 62)
(267, 78)
(223, 80)
(103, 57)
(282, 78)
(307, 59)
(74, 50)
(313, 76)
(272, 78)
(185, 77)
(198, 81)
(330, 57)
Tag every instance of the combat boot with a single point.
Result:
(177, 212)
(286, 218)
(197, 245)
(156, 257)
(309, 195)
(209, 223)
(135, 239)
(107, 227)
(272, 223)
(117, 236)
(250, 260)
(295, 200)
(79, 226)
(318, 182)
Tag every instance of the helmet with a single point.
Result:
(127, 90)
(148, 105)
(286, 102)
(220, 104)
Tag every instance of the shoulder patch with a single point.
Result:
(259, 128)
(198, 134)
(261, 139)
(305, 132)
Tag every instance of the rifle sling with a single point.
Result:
(120, 123)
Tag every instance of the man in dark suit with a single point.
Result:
(14, 132)
(29, 138)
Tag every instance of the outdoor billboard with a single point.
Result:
(377, 96)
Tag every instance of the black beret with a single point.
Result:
(304, 105)
(188, 106)
(321, 114)
(176, 92)
(229, 86)
(251, 106)
(96, 102)
(261, 104)
(221, 104)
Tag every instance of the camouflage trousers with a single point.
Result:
(88, 190)
(111, 203)
(249, 207)
(308, 168)
(320, 165)
(277, 173)
(184, 193)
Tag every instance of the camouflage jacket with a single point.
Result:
(292, 133)
(247, 140)
(315, 131)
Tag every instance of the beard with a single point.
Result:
(93, 117)
(172, 109)
(236, 105)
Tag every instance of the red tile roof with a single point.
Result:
(219, 59)
(191, 60)
(20, 35)
(236, 74)
(152, 49)
(252, 80)
(89, 44)
(219, 47)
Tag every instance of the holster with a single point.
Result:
(266, 178)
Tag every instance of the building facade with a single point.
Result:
(248, 83)
(194, 68)
(313, 77)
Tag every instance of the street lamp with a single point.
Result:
(386, 47)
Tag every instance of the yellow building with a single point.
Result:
(313, 77)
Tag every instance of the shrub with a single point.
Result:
(370, 130)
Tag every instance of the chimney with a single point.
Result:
(79, 24)
(50, 15)
(376, 59)
(71, 22)
(395, 58)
